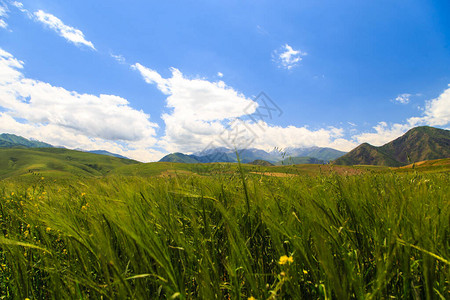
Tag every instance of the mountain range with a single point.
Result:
(8, 140)
(14, 141)
(418, 144)
(308, 155)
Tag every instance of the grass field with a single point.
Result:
(220, 231)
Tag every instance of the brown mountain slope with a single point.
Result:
(418, 144)
(366, 154)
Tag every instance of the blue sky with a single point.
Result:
(144, 78)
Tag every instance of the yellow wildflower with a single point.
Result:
(305, 272)
(251, 298)
(84, 207)
(83, 194)
(48, 229)
(286, 259)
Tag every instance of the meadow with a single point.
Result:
(177, 231)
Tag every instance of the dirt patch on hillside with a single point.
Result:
(175, 173)
(425, 163)
(274, 174)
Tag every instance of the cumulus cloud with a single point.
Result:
(71, 34)
(33, 108)
(268, 136)
(286, 57)
(383, 133)
(403, 98)
(211, 114)
(220, 74)
(197, 106)
(436, 113)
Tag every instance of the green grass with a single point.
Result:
(56, 163)
(220, 233)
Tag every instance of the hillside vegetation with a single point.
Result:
(56, 163)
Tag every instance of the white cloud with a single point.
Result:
(403, 98)
(55, 115)
(197, 106)
(268, 136)
(436, 113)
(119, 58)
(71, 34)
(220, 74)
(19, 5)
(2, 11)
(286, 57)
(383, 133)
(3, 14)
(151, 77)
(205, 113)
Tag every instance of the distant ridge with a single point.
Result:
(366, 154)
(300, 161)
(418, 144)
(309, 155)
(104, 152)
(321, 153)
(8, 140)
(179, 158)
(260, 162)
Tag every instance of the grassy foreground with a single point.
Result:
(227, 236)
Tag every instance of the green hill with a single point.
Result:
(56, 162)
(179, 158)
(261, 162)
(418, 144)
(300, 161)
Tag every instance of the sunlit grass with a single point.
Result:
(231, 235)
